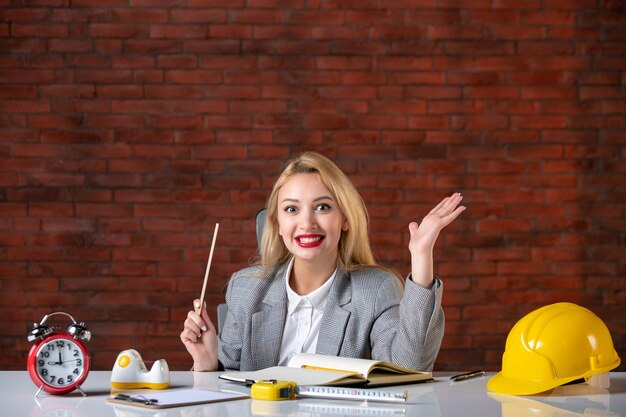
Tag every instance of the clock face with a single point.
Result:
(60, 362)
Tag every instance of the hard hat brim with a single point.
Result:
(503, 385)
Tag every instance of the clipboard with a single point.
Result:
(175, 398)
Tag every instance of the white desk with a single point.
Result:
(441, 398)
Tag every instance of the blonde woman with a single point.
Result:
(317, 287)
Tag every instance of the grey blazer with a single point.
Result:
(368, 314)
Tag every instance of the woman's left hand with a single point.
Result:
(423, 237)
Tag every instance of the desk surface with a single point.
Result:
(441, 398)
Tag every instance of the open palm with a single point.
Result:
(423, 237)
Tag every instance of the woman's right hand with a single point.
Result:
(200, 338)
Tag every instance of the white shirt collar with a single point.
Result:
(317, 297)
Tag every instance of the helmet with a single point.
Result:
(552, 346)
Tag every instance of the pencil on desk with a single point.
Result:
(468, 375)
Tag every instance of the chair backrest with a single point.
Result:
(222, 309)
(260, 223)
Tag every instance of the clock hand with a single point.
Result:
(57, 363)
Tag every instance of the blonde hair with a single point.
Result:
(354, 246)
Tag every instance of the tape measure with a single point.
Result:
(274, 390)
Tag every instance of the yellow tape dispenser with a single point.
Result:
(130, 372)
(273, 390)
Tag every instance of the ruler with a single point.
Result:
(345, 393)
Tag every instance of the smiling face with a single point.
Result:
(309, 220)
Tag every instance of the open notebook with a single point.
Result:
(316, 369)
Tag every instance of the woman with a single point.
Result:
(317, 287)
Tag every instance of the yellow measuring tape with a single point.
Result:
(273, 390)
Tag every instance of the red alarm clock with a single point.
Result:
(58, 362)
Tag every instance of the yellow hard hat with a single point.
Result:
(552, 346)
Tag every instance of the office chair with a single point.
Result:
(260, 223)
(222, 309)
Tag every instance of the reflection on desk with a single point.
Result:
(52, 406)
(441, 398)
(319, 407)
(570, 400)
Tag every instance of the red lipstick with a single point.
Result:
(309, 240)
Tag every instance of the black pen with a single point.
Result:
(468, 375)
(138, 399)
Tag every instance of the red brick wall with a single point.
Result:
(128, 129)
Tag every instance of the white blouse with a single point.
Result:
(304, 315)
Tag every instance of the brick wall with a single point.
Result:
(129, 128)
